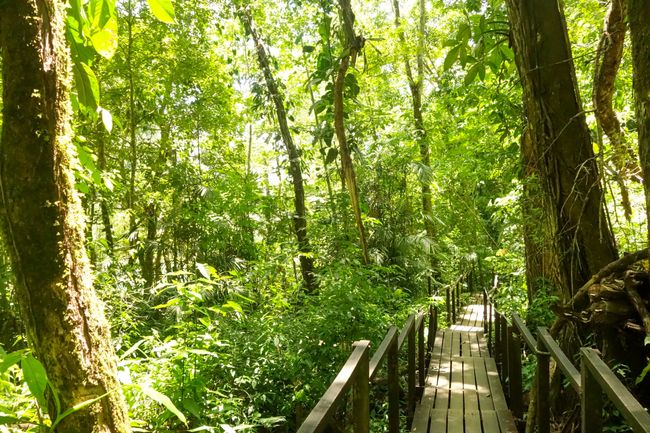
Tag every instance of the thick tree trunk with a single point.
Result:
(44, 223)
(639, 22)
(295, 170)
(557, 151)
(352, 46)
(567, 237)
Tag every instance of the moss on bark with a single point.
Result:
(44, 221)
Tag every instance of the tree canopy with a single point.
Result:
(239, 189)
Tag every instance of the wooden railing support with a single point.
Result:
(497, 342)
(485, 312)
(421, 353)
(591, 401)
(514, 374)
(360, 391)
(393, 386)
(448, 301)
(543, 389)
(410, 379)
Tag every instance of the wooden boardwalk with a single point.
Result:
(462, 392)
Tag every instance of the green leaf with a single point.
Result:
(308, 49)
(451, 57)
(7, 360)
(36, 378)
(233, 305)
(77, 407)
(107, 119)
(471, 74)
(643, 374)
(103, 20)
(332, 153)
(646, 341)
(204, 270)
(164, 400)
(163, 10)
(87, 86)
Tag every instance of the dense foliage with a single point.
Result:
(187, 189)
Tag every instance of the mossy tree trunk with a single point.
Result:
(639, 22)
(557, 152)
(44, 222)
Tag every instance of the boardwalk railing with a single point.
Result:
(360, 369)
(592, 380)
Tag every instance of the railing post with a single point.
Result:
(393, 387)
(421, 352)
(489, 333)
(498, 349)
(453, 304)
(411, 374)
(485, 312)
(505, 350)
(360, 390)
(543, 406)
(433, 319)
(591, 400)
(514, 371)
(449, 312)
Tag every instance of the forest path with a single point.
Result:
(463, 393)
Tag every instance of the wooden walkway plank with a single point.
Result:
(463, 393)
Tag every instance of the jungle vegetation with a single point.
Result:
(205, 202)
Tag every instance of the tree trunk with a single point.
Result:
(352, 47)
(415, 85)
(295, 170)
(44, 222)
(639, 22)
(557, 152)
(567, 237)
(608, 61)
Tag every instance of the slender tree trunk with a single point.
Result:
(295, 170)
(608, 61)
(103, 206)
(133, 228)
(639, 22)
(415, 85)
(44, 222)
(352, 47)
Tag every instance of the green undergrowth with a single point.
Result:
(218, 352)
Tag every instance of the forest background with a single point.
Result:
(263, 183)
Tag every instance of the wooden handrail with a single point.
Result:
(382, 351)
(594, 378)
(597, 375)
(359, 370)
(319, 417)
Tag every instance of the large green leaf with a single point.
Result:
(451, 57)
(87, 85)
(163, 10)
(103, 20)
(36, 378)
(164, 400)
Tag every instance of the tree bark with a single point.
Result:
(44, 222)
(567, 237)
(608, 61)
(639, 22)
(415, 85)
(351, 48)
(295, 170)
(557, 152)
